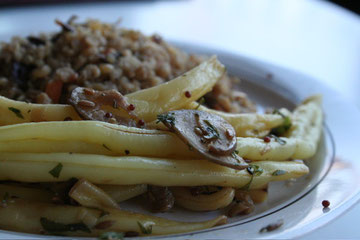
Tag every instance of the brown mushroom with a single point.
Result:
(160, 198)
(243, 204)
(106, 106)
(207, 133)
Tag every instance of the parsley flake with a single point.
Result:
(143, 229)
(17, 112)
(280, 130)
(5, 199)
(201, 101)
(166, 118)
(55, 172)
(279, 140)
(279, 172)
(106, 147)
(253, 170)
(212, 131)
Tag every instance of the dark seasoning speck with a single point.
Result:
(272, 227)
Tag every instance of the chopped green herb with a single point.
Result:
(279, 140)
(143, 229)
(17, 112)
(190, 147)
(280, 130)
(200, 101)
(235, 153)
(276, 111)
(111, 236)
(103, 213)
(115, 104)
(213, 132)
(166, 118)
(55, 172)
(253, 170)
(5, 199)
(54, 227)
(279, 172)
(106, 147)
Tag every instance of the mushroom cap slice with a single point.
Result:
(207, 133)
(160, 198)
(106, 106)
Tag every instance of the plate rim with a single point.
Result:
(339, 210)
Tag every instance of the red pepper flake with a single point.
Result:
(267, 139)
(141, 122)
(108, 115)
(131, 107)
(187, 94)
(325, 203)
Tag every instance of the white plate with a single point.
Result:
(334, 169)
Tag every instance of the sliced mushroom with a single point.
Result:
(160, 198)
(207, 133)
(106, 106)
(243, 204)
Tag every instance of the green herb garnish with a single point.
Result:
(280, 130)
(17, 112)
(201, 101)
(55, 172)
(279, 140)
(106, 147)
(213, 132)
(253, 170)
(190, 147)
(54, 227)
(5, 199)
(166, 118)
(279, 172)
(111, 236)
(235, 154)
(115, 105)
(104, 213)
(143, 229)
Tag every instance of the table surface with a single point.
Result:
(314, 37)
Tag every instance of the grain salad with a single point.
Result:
(45, 68)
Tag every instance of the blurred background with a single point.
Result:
(349, 4)
(318, 38)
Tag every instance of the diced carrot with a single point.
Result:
(53, 90)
